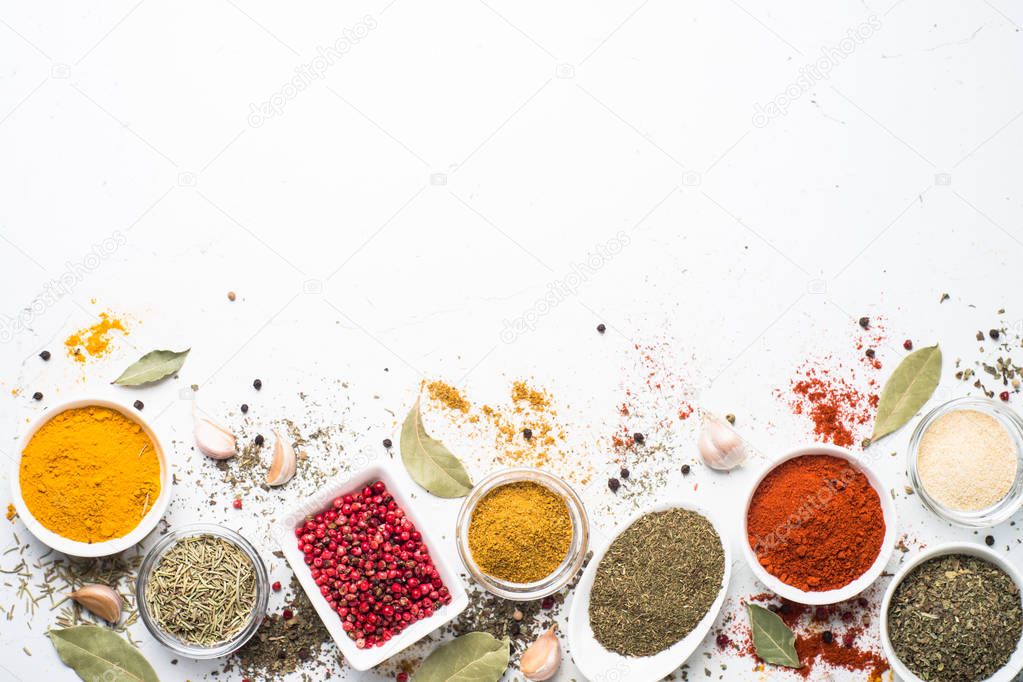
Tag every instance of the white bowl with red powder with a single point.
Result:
(395, 483)
(856, 584)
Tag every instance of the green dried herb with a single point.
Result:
(656, 582)
(773, 640)
(203, 590)
(430, 464)
(955, 618)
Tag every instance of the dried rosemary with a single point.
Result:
(202, 591)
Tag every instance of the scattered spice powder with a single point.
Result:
(94, 341)
(836, 407)
(448, 395)
(11, 513)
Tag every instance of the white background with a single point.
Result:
(457, 161)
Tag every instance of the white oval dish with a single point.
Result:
(594, 661)
(1015, 664)
(94, 549)
(856, 586)
(284, 533)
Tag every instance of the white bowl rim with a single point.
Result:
(107, 547)
(857, 586)
(651, 669)
(1009, 671)
(284, 532)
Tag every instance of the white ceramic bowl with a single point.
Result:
(284, 532)
(597, 663)
(1015, 664)
(856, 586)
(95, 549)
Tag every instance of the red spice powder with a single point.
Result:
(835, 406)
(815, 523)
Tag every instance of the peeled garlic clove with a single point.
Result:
(543, 657)
(214, 440)
(719, 445)
(100, 600)
(282, 468)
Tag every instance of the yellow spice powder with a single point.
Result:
(90, 474)
(94, 341)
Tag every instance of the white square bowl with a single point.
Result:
(284, 532)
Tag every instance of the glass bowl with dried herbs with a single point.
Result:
(522, 533)
(202, 591)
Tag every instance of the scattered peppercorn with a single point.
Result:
(827, 637)
(820, 613)
(614, 484)
(601, 328)
(231, 296)
(37, 396)
(287, 614)
(1004, 395)
(848, 639)
(402, 677)
(517, 615)
(686, 469)
(259, 440)
(989, 540)
(514, 629)
(625, 473)
(388, 443)
(547, 603)
(276, 587)
(527, 433)
(638, 437)
(907, 344)
(237, 504)
(257, 384)
(870, 353)
(865, 322)
(245, 408)
(723, 641)
(45, 355)
(138, 404)
(994, 333)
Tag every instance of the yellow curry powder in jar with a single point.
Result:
(90, 474)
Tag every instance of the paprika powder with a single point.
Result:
(815, 523)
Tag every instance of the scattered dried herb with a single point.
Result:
(774, 641)
(152, 366)
(429, 462)
(907, 390)
(477, 656)
(95, 653)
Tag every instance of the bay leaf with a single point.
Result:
(96, 653)
(773, 640)
(429, 462)
(152, 366)
(475, 657)
(907, 390)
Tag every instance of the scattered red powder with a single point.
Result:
(836, 407)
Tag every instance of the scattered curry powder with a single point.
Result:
(520, 532)
(11, 513)
(448, 395)
(94, 341)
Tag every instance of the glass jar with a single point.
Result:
(1001, 510)
(171, 641)
(573, 560)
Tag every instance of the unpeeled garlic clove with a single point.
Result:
(282, 467)
(100, 600)
(719, 445)
(543, 657)
(214, 440)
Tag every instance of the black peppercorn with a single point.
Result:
(614, 484)
(37, 396)
(993, 334)
(138, 404)
(601, 328)
(260, 440)
(45, 355)
(686, 469)
(527, 433)
(989, 540)
(864, 322)
(870, 353)
(257, 384)
(638, 437)
(387, 443)
(625, 473)
(827, 637)
(245, 408)
(515, 629)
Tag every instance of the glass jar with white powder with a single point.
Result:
(966, 461)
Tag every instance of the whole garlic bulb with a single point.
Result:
(719, 445)
(543, 657)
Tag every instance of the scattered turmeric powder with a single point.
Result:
(94, 341)
(448, 395)
(11, 513)
(90, 474)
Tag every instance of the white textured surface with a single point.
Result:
(457, 165)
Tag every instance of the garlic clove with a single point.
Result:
(213, 440)
(543, 657)
(100, 600)
(282, 468)
(720, 446)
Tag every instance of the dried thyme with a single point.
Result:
(203, 590)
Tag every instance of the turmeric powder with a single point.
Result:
(90, 474)
(520, 532)
(93, 341)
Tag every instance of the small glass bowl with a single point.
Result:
(576, 551)
(170, 641)
(1004, 508)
